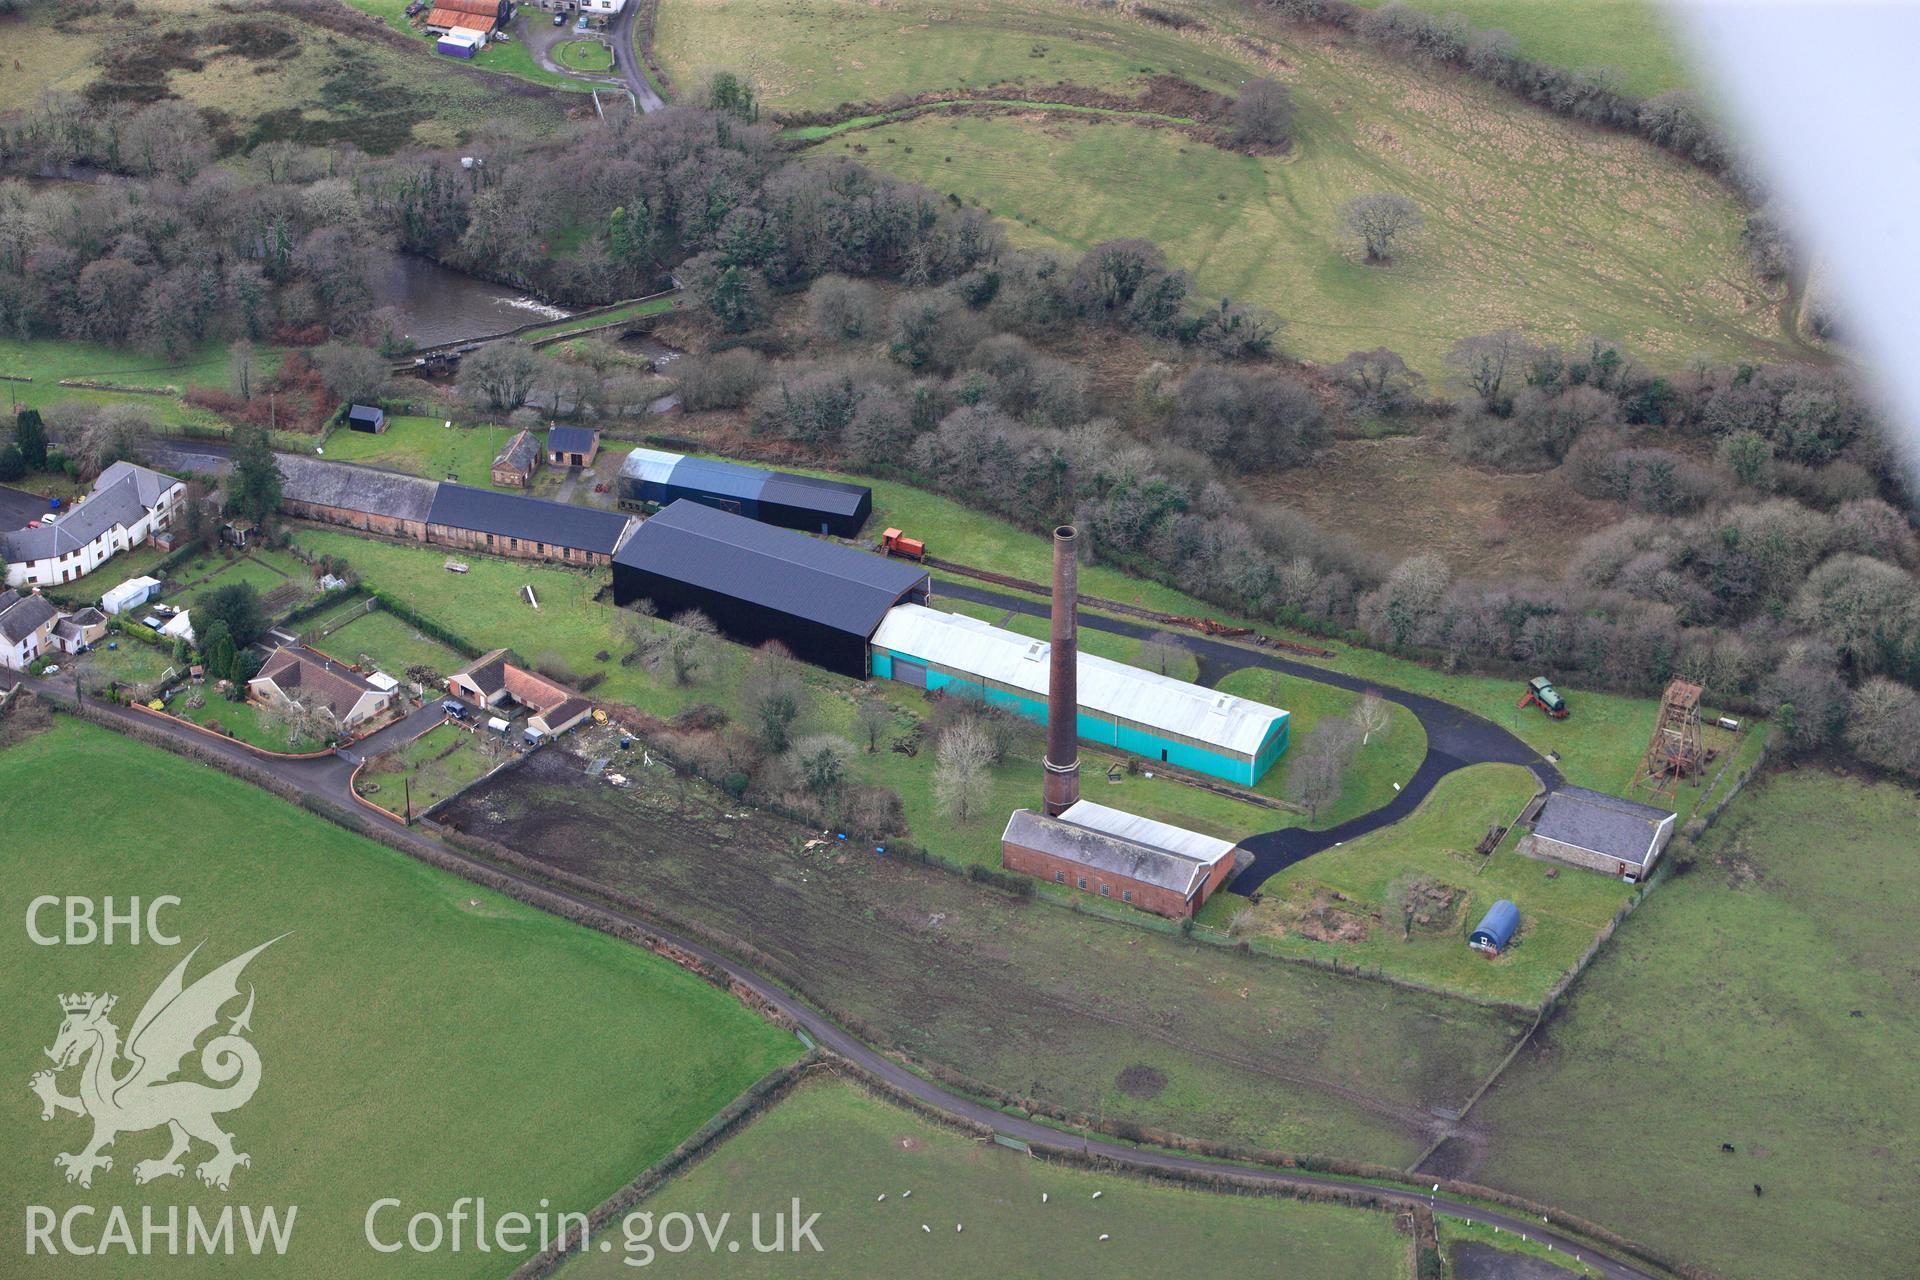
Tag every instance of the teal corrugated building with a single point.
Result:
(1128, 708)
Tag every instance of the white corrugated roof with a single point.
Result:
(966, 644)
(650, 465)
(1157, 835)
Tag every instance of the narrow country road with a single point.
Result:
(330, 777)
(1455, 738)
(626, 58)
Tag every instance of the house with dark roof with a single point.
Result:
(1600, 832)
(366, 417)
(359, 497)
(821, 600)
(296, 670)
(26, 628)
(652, 478)
(1136, 861)
(506, 524)
(128, 506)
(491, 679)
(79, 631)
(572, 446)
(517, 461)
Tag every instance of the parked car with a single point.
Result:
(455, 708)
(559, 19)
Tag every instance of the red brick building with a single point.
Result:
(357, 497)
(1133, 860)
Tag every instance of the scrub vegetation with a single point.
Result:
(399, 997)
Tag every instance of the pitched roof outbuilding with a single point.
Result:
(507, 515)
(1603, 824)
(791, 573)
(355, 488)
(1121, 844)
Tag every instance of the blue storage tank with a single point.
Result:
(1496, 928)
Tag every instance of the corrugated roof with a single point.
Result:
(355, 488)
(1116, 854)
(789, 572)
(1144, 697)
(1158, 835)
(727, 479)
(571, 440)
(507, 515)
(813, 493)
(1603, 824)
(1499, 924)
(651, 466)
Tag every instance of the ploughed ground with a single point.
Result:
(1036, 1000)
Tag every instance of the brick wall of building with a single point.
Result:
(1147, 897)
(521, 548)
(391, 526)
(1539, 846)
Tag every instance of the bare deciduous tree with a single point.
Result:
(964, 775)
(1370, 716)
(874, 715)
(1162, 652)
(302, 717)
(1379, 220)
(1320, 765)
(776, 694)
(682, 649)
(1263, 113)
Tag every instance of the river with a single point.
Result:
(444, 305)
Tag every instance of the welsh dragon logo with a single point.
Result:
(143, 1093)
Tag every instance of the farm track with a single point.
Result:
(1456, 738)
(330, 777)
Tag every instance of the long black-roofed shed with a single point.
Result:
(759, 583)
(511, 524)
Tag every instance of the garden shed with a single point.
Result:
(1599, 832)
(1496, 928)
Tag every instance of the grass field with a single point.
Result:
(1722, 1011)
(841, 1149)
(426, 447)
(1634, 37)
(1515, 234)
(391, 645)
(47, 361)
(421, 1038)
(1330, 906)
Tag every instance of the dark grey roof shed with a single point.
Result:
(572, 440)
(1603, 824)
(508, 515)
(792, 573)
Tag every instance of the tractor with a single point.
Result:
(1541, 693)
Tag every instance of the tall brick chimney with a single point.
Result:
(1063, 683)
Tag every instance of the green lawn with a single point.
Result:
(257, 569)
(438, 763)
(850, 1157)
(1634, 37)
(421, 1038)
(425, 447)
(47, 361)
(1386, 761)
(1515, 234)
(584, 55)
(1722, 1011)
(1560, 915)
(245, 720)
(391, 644)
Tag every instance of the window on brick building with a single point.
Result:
(1105, 892)
(1126, 895)
(1059, 877)
(1083, 882)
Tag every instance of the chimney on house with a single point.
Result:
(1063, 693)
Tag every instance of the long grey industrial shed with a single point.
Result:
(653, 478)
(758, 583)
